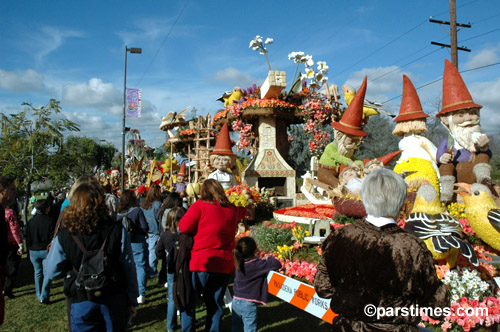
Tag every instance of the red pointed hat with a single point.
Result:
(455, 94)
(182, 171)
(343, 167)
(223, 144)
(350, 123)
(410, 109)
(386, 159)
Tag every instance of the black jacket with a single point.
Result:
(39, 232)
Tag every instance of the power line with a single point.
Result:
(439, 79)
(164, 40)
(381, 48)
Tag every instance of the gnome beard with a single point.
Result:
(463, 133)
(344, 148)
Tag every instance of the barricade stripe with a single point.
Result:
(303, 295)
(300, 295)
(275, 283)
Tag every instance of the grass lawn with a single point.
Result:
(25, 313)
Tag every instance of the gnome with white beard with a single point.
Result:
(465, 155)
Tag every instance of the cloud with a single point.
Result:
(484, 57)
(381, 80)
(94, 93)
(486, 94)
(233, 76)
(21, 81)
(49, 39)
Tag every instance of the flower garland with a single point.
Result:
(317, 211)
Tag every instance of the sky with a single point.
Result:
(194, 50)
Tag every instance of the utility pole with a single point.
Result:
(453, 33)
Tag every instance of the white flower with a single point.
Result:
(322, 65)
(324, 79)
(269, 41)
(291, 56)
(263, 51)
(455, 298)
(309, 73)
(303, 77)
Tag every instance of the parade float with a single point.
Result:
(299, 222)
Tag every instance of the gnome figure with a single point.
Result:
(372, 165)
(347, 134)
(418, 158)
(464, 156)
(180, 181)
(222, 159)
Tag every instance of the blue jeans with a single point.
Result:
(140, 250)
(42, 285)
(212, 286)
(111, 315)
(171, 310)
(153, 261)
(244, 316)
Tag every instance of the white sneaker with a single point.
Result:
(166, 285)
(141, 299)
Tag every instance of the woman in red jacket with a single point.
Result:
(212, 221)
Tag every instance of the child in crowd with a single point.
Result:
(250, 284)
(165, 249)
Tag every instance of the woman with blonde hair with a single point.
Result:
(86, 221)
(212, 221)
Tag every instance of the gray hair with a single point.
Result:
(383, 193)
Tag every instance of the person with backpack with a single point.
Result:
(212, 221)
(165, 250)
(149, 206)
(130, 214)
(95, 253)
(250, 284)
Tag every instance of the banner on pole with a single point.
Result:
(133, 108)
(299, 294)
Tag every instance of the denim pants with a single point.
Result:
(244, 316)
(42, 285)
(111, 315)
(140, 251)
(212, 286)
(153, 261)
(171, 310)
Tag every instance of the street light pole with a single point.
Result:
(134, 50)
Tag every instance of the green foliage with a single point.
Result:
(29, 140)
(271, 236)
(308, 254)
(379, 140)
(84, 154)
(299, 155)
(343, 219)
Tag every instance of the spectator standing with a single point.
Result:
(112, 201)
(149, 205)
(373, 262)
(212, 221)
(128, 207)
(39, 233)
(172, 200)
(86, 218)
(165, 250)
(7, 193)
(14, 250)
(250, 284)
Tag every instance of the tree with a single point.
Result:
(29, 140)
(299, 155)
(84, 155)
(379, 140)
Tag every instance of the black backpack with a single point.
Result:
(96, 275)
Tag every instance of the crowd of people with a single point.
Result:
(139, 236)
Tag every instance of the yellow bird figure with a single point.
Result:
(441, 233)
(482, 211)
(230, 96)
(369, 107)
